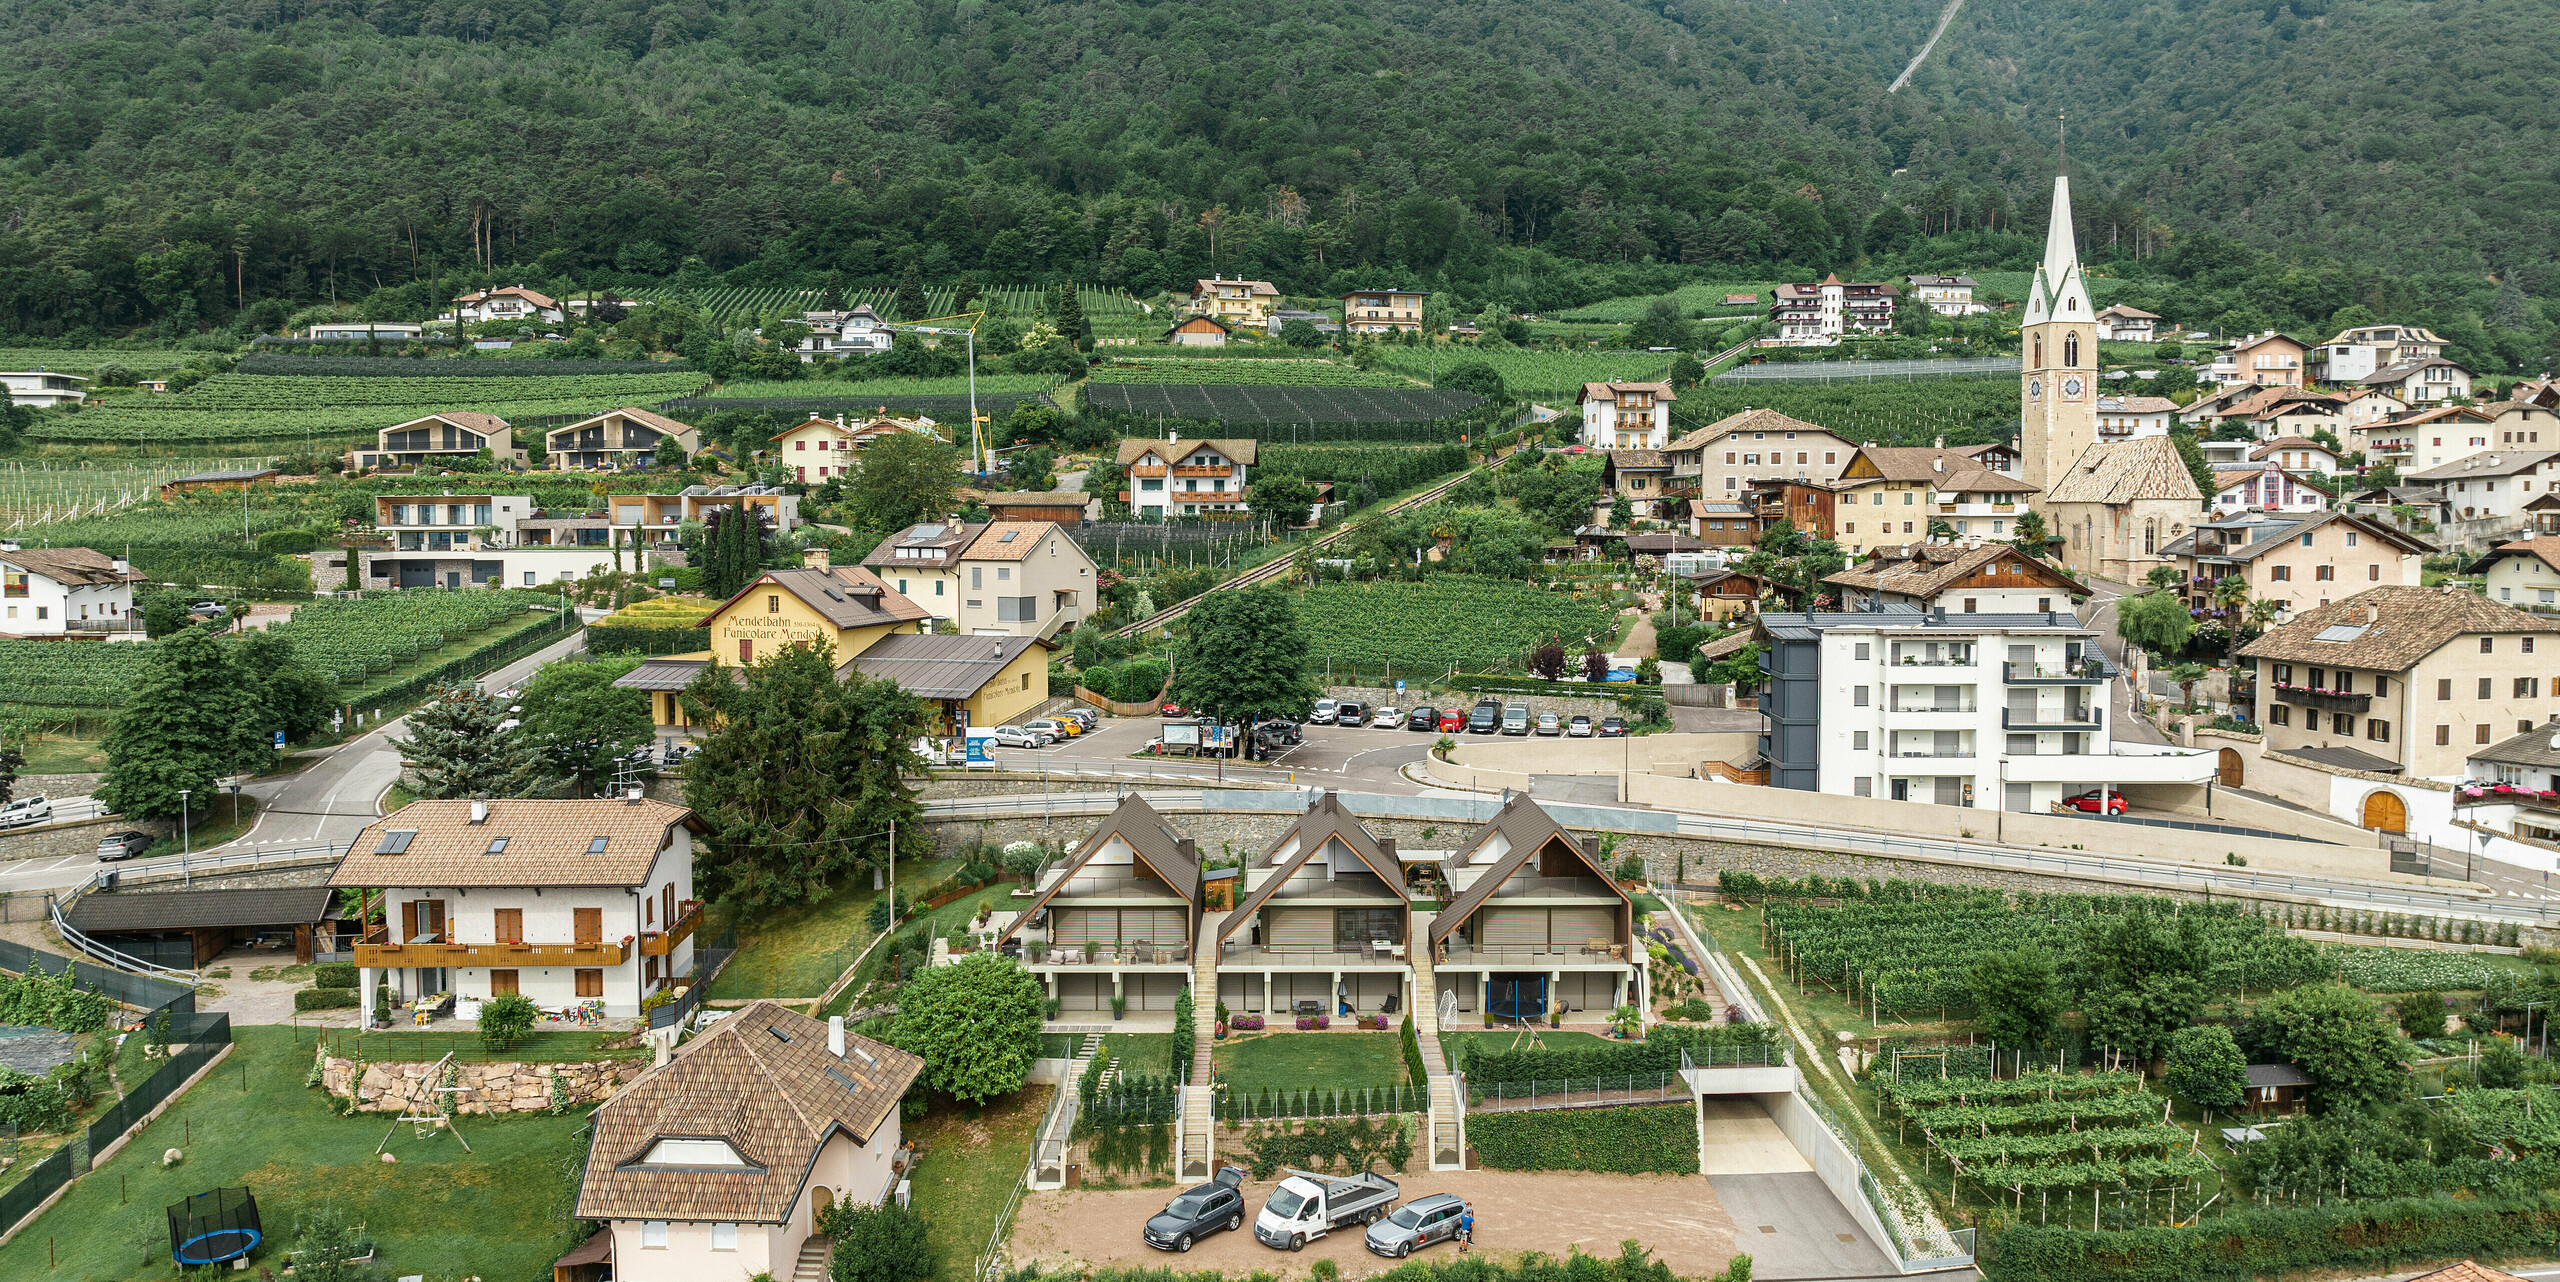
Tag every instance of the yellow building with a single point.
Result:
(977, 680)
(1382, 311)
(1237, 302)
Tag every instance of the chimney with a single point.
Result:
(835, 1036)
(814, 559)
(1190, 850)
(1172, 437)
(633, 798)
(1937, 465)
(1387, 845)
(1940, 443)
(1591, 848)
(479, 810)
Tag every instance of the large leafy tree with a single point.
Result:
(976, 1022)
(580, 723)
(190, 718)
(802, 775)
(884, 1243)
(2156, 621)
(2016, 1001)
(1245, 656)
(2143, 980)
(463, 748)
(902, 479)
(2206, 1067)
(293, 698)
(2336, 1036)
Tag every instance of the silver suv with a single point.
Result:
(1420, 1222)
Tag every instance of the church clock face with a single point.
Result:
(2035, 389)
(2071, 389)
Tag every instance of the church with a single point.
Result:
(2117, 505)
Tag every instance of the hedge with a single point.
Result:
(460, 668)
(1652, 1137)
(334, 975)
(2359, 1237)
(1413, 1065)
(625, 638)
(324, 999)
(1658, 1053)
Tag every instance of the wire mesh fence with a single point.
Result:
(194, 1041)
(1869, 371)
(1353, 1101)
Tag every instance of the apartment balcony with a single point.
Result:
(1146, 469)
(1135, 955)
(1916, 754)
(1189, 469)
(1552, 957)
(1380, 956)
(2089, 671)
(2084, 719)
(501, 955)
(2332, 700)
(659, 943)
(1962, 659)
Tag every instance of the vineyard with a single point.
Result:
(1901, 413)
(1445, 621)
(955, 385)
(1300, 373)
(68, 674)
(47, 493)
(353, 640)
(1555, 377)
(2408, 970)
(1908, 958)
(1108, 312)
(939, 408)
(1387, 467)
(1693, 299)
(82, 360)
(2050, 1133)
(332, 366)
(325, 409)
(1251, 404)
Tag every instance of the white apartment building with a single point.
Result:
(2122, 324)
(2493, 485)
(2356, 353)
(1946, 295)
(1177, 477)
(514, 302)
(1005, 578)
(43, 389)
(2299, 453)
(571, 903)
(1626, 416)
(856, 331)
(2427, 381)
(489, 541)
(2121, 418)
(49, 592)
(1988, 711)
(1819, 315)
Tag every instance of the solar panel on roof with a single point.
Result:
(395, 841)
(2341, 632)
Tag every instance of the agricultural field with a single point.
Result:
(469, 367)
(2049, 1133)
(1022, 302)
(1250, 404)
(1890, 413)
(326, 410)
(955, 385)
(1705, 300)
(68, 674)
(939, 408)
(354, 639)
(1445, 620)
(1915, 957)
(45, 493)
(1297, 373)
(2410, 970)
(1554, 377)
(82, 360)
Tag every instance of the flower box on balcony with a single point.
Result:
(1313, 1023)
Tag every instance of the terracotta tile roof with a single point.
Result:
(2138, 404)
(1209, 286)
(1950, 471)
(938, 667)
(82, 567)
(2546, 547)
(2131, 313)
(1528, 828)
(2389, 629)
(847, 596)
(946, 540)
(1925, 570)
(510, 291)
(1746, 421)
(760, 1080)
(2146, 467)
(2493, 462)
(2291, 443)
(1008, 540)
(1323, 821)
(1233, 450)
(549, 843)
(1640, 460)
(1611, 391)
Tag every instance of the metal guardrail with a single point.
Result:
(186, 866)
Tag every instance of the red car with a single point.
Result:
(1452, 720)
(2087, 802)
(1171, 710)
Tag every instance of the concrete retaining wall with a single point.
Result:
(1832, 1161)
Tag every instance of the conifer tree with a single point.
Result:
(461, 752)
(908, 302)
(1071, 321)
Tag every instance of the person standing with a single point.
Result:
(1466, 1228)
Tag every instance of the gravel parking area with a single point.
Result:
(1677, 1217)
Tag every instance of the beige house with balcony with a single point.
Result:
(2525, 573)
(1534, 921)
(570, 903)
(1889, 495)
(1118, 918)
(1236, 303)
(1725, 456)
(1323, 924)
(439, 438)
(615, 438)
(1178, 477)
(2300, 561)
(2410, 680)
(1382, 311)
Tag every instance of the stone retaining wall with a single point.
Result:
(495, 1088)
(77, 837)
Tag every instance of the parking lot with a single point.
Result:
(1677, 1217)
(1353, 753)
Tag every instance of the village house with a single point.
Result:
(2298, 561)
(52, 592)
(2296, 418)
(1887, 495)
(1961, 578)
(2367, 405)
(1725, 455)
(440, 438)
(2493, 486)
(2356, 353)
(1723, 522)
(2522, 422)
(1725, 594)
(2428, 381)
(1626, 416)
(616, 438)
(2525, 573)
(853, 331)
(2121, 418)
(2122, 324)
(2409, 680)
(1946, 295)
(2299, 454)
(721, 1161)
(510, 303)
(1642, 477)
(1235, 303)
(818, 448)
(2264, 487)
(487, 541)
(1197, 331)
(1177, 477)
(2267, 360)
(1383, 311)
(1820, 315)
(572, 903)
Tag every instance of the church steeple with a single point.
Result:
(2058, 292)
(2058, 356)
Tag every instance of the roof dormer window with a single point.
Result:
(695, 1152)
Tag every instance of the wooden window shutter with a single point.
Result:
(590, 983)
(589, 925)
(510, 925)
(501, 981)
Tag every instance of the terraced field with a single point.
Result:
(330, 411)
(1296, 373)
(1254, 404)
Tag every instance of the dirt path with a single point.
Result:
(1677, 1217)
(1639, 643)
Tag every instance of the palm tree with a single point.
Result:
(2263, 612)
(2187, 675)
(2229, 591)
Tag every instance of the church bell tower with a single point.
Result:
(2058, 356)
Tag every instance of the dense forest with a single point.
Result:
(175, 165)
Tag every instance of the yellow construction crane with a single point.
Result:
(981, 459)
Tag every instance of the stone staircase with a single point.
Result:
(1447, 1131)
(1198, 1134)
(812, 1264)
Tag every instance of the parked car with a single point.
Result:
(1484, 718)
(1452, 721)
(1387, 717)
(1280, 734)
(1086, 717)
(1020, 737)
(1052, 727)
(206, 607)
(1171, 710)
(1423, 718)
(1350, 712)
(1515, 719)
(1613, 727)
(1322, 713)
(1550, 724)
(1214, 1207)
(1579, 727)
(122, 845)
(34, 809)
(2087, 803)
(1307, 1206)
(1420, 1222)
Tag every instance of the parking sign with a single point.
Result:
(1399, 687)
(279, 740)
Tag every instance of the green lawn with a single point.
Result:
(499, 1211)
(542, 1046)
(51, 754)
(1142, 1054)
(1453, 1045)
(1291, 1060)
(798, 951)
(966, 1170)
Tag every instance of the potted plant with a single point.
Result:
(1221, 1033)
(1092, 949)
(1119, 1007)
(1038, 948)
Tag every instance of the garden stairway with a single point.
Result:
(1447, 1130)
(1198, 1140)
(812, 1264)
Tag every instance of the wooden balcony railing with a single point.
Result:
(1189, 469)
(502, 955)
(659, 943)
(1146, 469)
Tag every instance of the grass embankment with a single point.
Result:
(1290, 1060)
(966, 1170)
(1455, 1046)
(798, 951)
(499, 1211)
(542, 1046)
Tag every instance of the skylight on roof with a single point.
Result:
(395, 841)
(596, 847)
(2342, 632)
(1007, 536)
(497, 845)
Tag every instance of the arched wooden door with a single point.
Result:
(821, 1199)
(2383, 810)
(2231, 764)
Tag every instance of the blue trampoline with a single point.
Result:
(1519, 999)
(214, 1228)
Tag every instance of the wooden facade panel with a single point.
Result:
(1300, 930)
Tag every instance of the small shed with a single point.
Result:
(182, 929)
(588, 1261)
(217, 482)
(1198, 331)
(2276, 1089)
(1066, 507)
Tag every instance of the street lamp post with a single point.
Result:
(185, 839)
